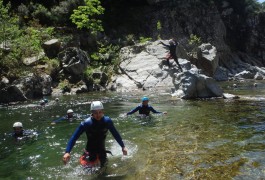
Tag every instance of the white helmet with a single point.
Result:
(69, 111)
(96, 105)
(17, 124)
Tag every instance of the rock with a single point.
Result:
(142, 67)
(207, 59)
(34, 86)
(74, 61)
(245, 75)
(52, 48)
(34, 59)
(100, 77)
(258, 76)
(11, 94)
(190, 84)
(4, 82)
(230, 96)
(221, 74)
(82, 89)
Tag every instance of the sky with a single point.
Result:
(261, 0)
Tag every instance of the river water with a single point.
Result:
(197, 139)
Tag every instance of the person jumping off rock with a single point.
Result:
(172, 52)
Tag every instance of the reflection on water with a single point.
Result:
(200, 139)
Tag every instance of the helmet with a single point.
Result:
(45, 100)
(17, 124)
(96, 105)
(171, 41)
(145, 99)
(69, 111)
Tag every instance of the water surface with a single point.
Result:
(197, 139)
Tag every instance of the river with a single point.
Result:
(197, 139)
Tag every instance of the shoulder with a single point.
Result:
(107, 119)
(87, 122)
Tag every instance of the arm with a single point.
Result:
(134, 110)
(157, 112)
(72, 141)
(164, 44)
(117, 136)
(59, 119)
(154, 111)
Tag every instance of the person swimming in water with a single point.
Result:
(70, 117)
(20, 133)
(145, 108)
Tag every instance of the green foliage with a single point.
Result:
(194, 40)
(130, 39)
(88, 72)
(158, 27)
(21, 43)
(87, 16)
(107, 54)
(144, 39)
(42, 14)
(61, 14)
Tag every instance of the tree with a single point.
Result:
(4, 18)
(88, 16)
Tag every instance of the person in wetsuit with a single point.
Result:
(96, 128)
(144, 108)
(172, 52)
(19, 133)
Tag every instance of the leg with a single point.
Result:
(102, 158)
(168, 62)
(177, 62)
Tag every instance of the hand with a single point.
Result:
(66, 157)
(124, 151)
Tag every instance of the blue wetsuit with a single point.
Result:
(143, 110)
(96, 132)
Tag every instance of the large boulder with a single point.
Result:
(142, 67)
(11, 94)
(52, 48)
(34, 86)
(192, 84)
(74, 61)
(208, 59)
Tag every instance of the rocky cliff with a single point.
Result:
(230, 26)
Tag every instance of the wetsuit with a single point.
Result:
(96, 132)
(24, 134)
(75, 117)
(143, 110)
(172, 53)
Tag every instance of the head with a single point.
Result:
(70, 113)
(171, 42)
(42, 102)
(18, 127)
(145, 101)
(97, 110)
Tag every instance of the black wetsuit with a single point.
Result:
(96, 132)
(172, 53)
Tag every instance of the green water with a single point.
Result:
(197, 139)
